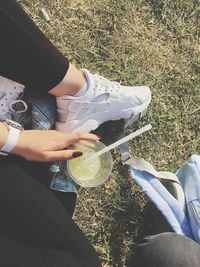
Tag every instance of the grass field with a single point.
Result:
(152, 42)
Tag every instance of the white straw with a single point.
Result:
(121, 141)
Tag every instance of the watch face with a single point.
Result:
(14, 124)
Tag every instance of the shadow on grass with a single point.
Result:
(109, 131)
(135, 222)
(131, 219)
(131, 224)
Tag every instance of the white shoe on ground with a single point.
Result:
(103, 101)
(10, 92)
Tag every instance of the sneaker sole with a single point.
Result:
(92, 123)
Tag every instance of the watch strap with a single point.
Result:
(11, 141)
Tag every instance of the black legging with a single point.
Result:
(26, 55)
(167, 250)
(35, 229)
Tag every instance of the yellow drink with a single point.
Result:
(89, 172)
(81, 168)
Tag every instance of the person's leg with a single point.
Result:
(31, 214)
(40, 172)
(167, 250)
(27, 56)
(17, 254)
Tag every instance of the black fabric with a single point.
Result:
(26, 55)
(35, 229)
(167, 250)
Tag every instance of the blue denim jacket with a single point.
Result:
(41, 115)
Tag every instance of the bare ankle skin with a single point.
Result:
(71, 84)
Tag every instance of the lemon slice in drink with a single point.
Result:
(80, 168)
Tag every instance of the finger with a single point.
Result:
(62, 155)
(71, 147)
(87, 143)
(76, 137)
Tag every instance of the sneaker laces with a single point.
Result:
(106, 85)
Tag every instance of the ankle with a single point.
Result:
(71, 84)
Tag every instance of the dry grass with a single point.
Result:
(153, 42)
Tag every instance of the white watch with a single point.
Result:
(14, 131)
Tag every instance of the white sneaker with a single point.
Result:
(10, 93)
(103, 101)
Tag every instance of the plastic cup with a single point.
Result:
(91, 172)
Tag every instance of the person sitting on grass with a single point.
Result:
(36, 230)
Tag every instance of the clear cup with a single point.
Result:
(91, 172)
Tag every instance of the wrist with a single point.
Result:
(21, 144)
(3, 134)
(14, 130)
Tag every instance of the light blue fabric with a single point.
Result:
(164, 201)
(60, 181)
(188, 223)
(189, 177)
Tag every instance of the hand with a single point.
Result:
(40, 145)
